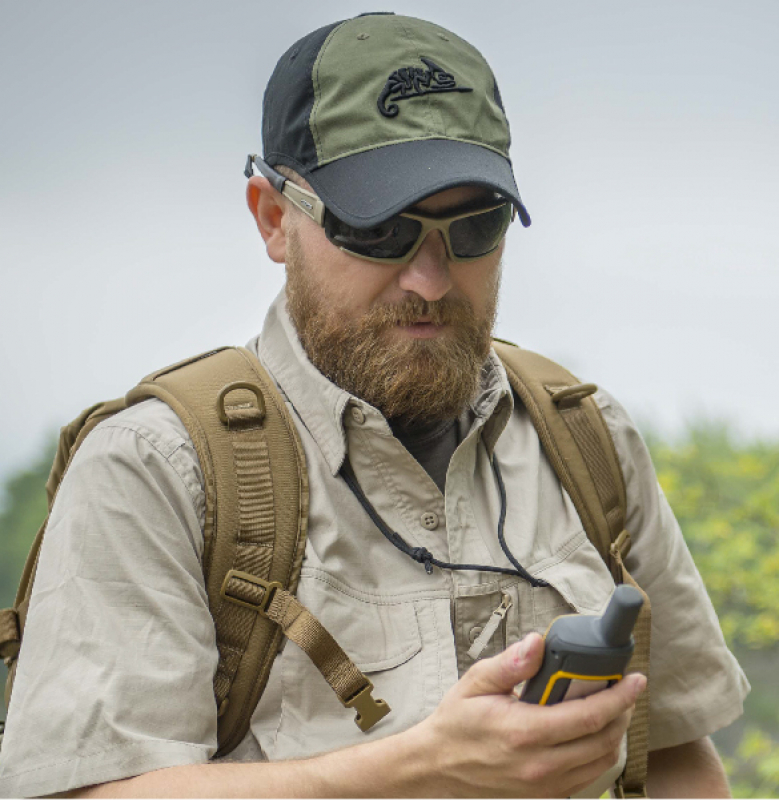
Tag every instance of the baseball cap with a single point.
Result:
(380, 111)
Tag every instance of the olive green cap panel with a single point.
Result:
(351, 78)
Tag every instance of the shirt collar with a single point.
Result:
(322, 406)
(495, 402)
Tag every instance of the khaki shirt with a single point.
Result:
(115, 674)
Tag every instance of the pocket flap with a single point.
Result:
(375, 632)
(581, 576)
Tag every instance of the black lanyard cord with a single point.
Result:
(422, 554)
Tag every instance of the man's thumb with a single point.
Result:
(500, 674)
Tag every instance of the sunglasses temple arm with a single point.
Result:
(277, 180)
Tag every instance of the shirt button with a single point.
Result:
(430, 520)
(357, 415)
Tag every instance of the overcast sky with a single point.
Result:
(644, 144)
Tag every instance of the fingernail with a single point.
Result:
(639, 684)
(524, 649)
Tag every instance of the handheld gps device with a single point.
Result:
(584, 654)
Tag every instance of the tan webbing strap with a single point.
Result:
(632, 782)
(582, 424)
(253, 552)
(603, 465)
(580, 448)
(304, 629)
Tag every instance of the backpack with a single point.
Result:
(256, 517)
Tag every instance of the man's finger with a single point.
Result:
(579, 752)
(586, 716)
(500, 674)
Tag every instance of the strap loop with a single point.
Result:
(244, 412)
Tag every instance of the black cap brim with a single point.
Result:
(369, 187)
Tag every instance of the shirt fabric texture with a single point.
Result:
(115, 674)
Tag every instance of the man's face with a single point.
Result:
(410, 339)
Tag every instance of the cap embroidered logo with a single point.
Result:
(408, 82)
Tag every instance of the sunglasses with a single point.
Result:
(468, 235)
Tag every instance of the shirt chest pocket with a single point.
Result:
(383, 639)
(579, 582)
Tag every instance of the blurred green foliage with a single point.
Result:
(725, 494)
(754, 769)
(726, 498)
(22, 511)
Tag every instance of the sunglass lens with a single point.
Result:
(390, 239)
(479, 234)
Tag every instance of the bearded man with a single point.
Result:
(387, 191)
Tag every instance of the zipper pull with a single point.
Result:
(483, 639)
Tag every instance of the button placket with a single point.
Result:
(391, 484)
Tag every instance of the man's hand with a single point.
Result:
(480, 742)
(485, 743)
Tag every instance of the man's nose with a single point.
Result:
(427, 274)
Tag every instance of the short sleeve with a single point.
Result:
(115, 673)
(696, 684)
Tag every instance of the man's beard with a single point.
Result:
(413, 380)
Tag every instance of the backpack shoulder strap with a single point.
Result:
(256, 519)
(580, 448)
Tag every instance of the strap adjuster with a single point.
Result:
(235, 590)
(369, 710)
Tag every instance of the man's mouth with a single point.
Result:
(422, 328)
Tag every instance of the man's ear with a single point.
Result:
(268, 208)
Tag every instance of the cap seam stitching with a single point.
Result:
(414, 46)
(365, 149)
(313, 124)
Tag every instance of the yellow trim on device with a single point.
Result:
(562, 674)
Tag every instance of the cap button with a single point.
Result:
(357, 415)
